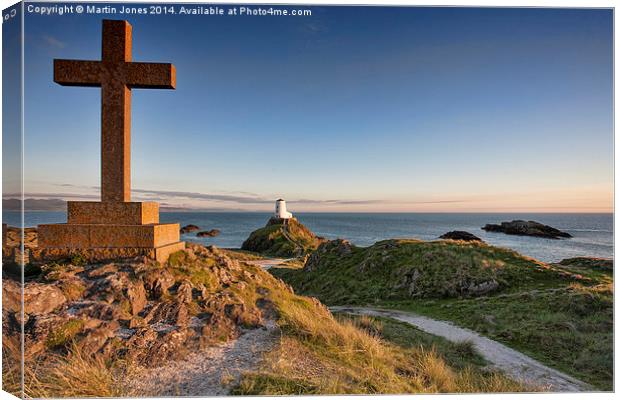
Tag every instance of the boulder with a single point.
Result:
(42, 298)
(189, 228)
(460, 235)
(479, 289)
(210, 233)
(527, 228)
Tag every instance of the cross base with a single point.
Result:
(109, 213)
(109, 229)
(104, 254)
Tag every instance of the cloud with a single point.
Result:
(53, 42)
(227, 200)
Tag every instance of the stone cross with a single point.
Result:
(116, 74)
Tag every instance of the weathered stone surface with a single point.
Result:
(527, 228)
(116, 74)
(42, 298)
(106, 254)
(158, 281)
(460, 235)
(137, 296)
(96, 235)
(184, 292)
(112, 213)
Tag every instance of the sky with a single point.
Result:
(361, 109)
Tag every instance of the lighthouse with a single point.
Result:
(281, 210)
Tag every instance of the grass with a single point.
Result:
(458, 355)
(74, 374)
(411, 269)
(64, 333)
(561, 315)
(568, 328)
(320, 354)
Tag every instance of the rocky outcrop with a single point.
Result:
(282, 238)
(189, 228)
(209, 233)
(140, 310)
(527, 228)
(460, 235)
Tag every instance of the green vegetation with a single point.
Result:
(412, 269)
(64, 333)
(560, 314)
(569, 328)
(282, 238)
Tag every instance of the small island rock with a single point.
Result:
(209, 233)
(461, 235)
(527, 228)
(189, 228)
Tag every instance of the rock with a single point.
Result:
(184, 292)
(189, 228)
(169, 313)
(412, 279)
(136, 294)
(104, 270)
(210, 233)
(42, 298)
(482, 288)
(96, 310)
(96, 338)
(158, 281)
(527, 228)
(11, 295)
(460, 235)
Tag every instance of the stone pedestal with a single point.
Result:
(122, 228)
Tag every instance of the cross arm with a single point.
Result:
(151, 75)
(77, 73)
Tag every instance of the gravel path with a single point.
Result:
(212, 372)
(511, 362)
(269, 262)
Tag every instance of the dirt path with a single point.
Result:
(212, 372)
(511, 362)
(269, 262)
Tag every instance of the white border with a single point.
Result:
(483, 3)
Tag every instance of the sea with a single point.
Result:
(593, 234)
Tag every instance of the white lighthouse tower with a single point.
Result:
(281, 210)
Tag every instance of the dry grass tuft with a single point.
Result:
(72, 375)
(321, 355)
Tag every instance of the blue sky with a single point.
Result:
(350, 109)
